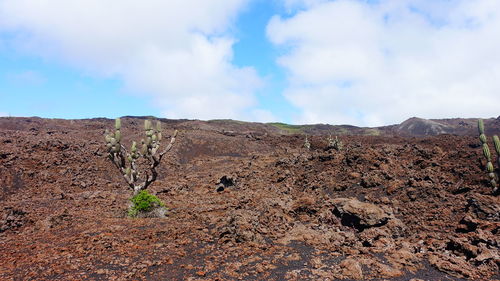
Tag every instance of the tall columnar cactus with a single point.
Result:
(126, 161)
(496, 142)
(487, 154)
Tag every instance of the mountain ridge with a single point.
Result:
(412, 127)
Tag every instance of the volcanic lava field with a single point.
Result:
(246, 203)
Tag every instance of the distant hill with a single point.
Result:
(431, 127)
(416, 127)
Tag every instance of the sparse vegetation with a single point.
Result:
(144, 202)
(289, 129)
(228, 121)
(334, 143)
(307, 144)
(231, 199)
(493, 176)
(372, 132)
(127, 162)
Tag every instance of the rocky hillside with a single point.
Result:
(458, 126)
(413, 127)
(247, 202)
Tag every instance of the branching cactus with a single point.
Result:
(487, 154)
(334, 143)
(127, 162)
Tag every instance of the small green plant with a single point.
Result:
(493, 176)
(144, 202)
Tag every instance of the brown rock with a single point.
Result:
(371, 180)
(387, 271)
(403, 258)
(354, 175)
(359, 214)
(451, 265)
(487, 254)
(350, 268)
(305, 201)
(393, 185)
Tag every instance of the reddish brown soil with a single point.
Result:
(63, 207)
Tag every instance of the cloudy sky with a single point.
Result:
(364, 63)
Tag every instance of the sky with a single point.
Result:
(357, 62)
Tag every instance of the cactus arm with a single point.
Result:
(480, 126)
(125, 150)
(482, 137)
(486, 152)
(155, 161)
(119, 160)
(170, 144)
(496, 142)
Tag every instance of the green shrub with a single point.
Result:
(144, 202)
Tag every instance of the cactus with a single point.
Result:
(496, 142)
(330, 141)
(125, 161)
(480, 126)
(334, 143)
(490, 169)
(118, 124)
(482, 137)
(486, 152)
(307, 144)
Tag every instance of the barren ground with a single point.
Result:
(384, 208)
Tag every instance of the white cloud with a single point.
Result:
(178, 51)
(262, 115)
(291, 5)
(372, 64)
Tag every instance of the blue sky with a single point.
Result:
(365, 63)
(30, 86)
(60, 90)
(254, 49)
